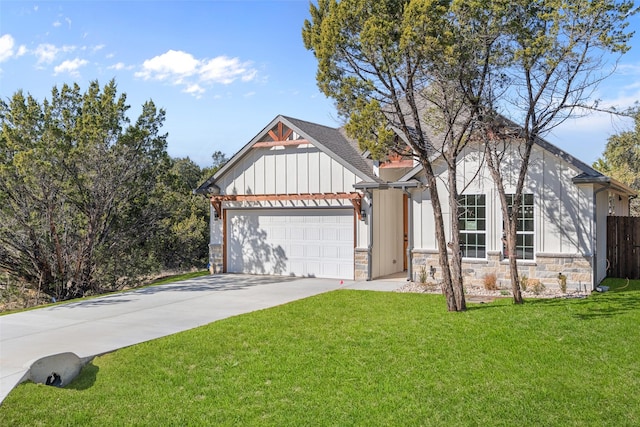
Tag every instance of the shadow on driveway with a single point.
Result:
(220, 282)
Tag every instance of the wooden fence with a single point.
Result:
(623, 246)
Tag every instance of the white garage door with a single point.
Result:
(299, 242)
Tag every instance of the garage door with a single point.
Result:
(299, 242)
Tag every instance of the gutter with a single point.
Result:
(370, 245)
(409, 233)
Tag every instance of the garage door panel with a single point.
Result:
(312, 251)
(312, 233)
(331, 252)
(329, 234)
(345, 252)
(309, 242)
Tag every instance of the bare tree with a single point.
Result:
(558, 52)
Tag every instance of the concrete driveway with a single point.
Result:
(100, 325)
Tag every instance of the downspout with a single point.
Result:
(410, 234)
(594, 280)
(370, 245)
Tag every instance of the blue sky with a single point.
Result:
(221, 69)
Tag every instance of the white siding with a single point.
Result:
(362, 228)
(562, 210)
(215, 228)
(287, 170)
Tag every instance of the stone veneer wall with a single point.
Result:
(545, 268)
(215, 259)
(361, 261)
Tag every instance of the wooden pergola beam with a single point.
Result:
(355, 198)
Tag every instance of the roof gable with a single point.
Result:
(284, 130)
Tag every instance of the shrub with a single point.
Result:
(491, 282)
(524, 282)
(422, 276)
(562, 282)
(537, 287)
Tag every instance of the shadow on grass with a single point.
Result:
(622, 297)
(614, 302)
(481, 305)
(86, 379)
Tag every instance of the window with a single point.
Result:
(524, 227)
(473, 224)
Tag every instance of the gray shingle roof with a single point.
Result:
(336, 141)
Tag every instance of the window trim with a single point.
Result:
(463, 209)
(520, 232)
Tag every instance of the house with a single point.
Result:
(301, 199)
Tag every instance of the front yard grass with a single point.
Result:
(369, 358)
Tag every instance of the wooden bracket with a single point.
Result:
(357, 205)
(217, 205)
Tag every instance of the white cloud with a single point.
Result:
(70, 66)
(195, 89)
(226, 70)
(22, 50)
(182, 68)
(6, 47)
(176, 64)
(627, 69)
(57, 24)
(120, 66)
(46, 53)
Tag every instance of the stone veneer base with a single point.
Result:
(361, 264)
(216, 261)
(545, 268)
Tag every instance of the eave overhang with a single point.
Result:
(605, 181)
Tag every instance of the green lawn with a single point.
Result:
(369, 358)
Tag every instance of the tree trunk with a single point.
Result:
(509, 218)
(443, 256)
(456, 255)
(513, 261)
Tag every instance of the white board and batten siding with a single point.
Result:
(287, 170)
(563, 210)
(302, 238)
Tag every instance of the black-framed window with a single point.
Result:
(524, 227)
(472, 222)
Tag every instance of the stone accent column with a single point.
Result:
(425, 263)
(215, 258)
(361, 261)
